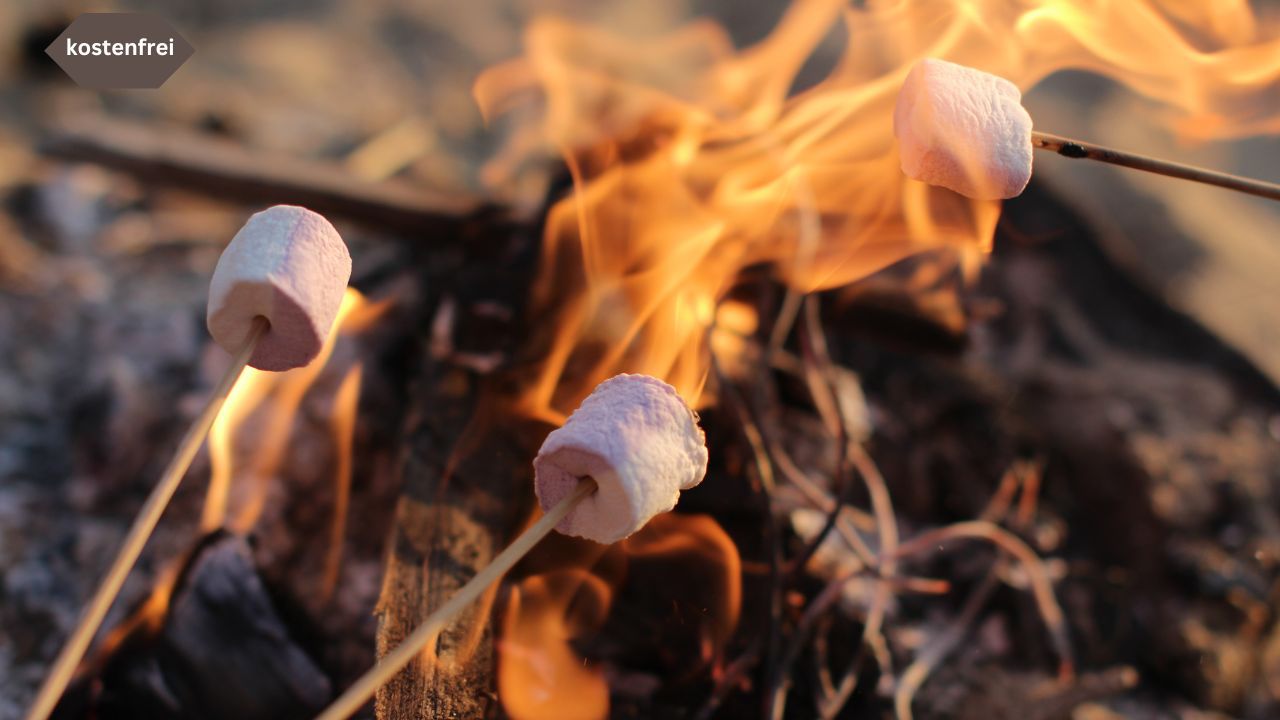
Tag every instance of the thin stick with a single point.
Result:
(65, 665)
(1067, 147)
(1041, 585)
(939, 647)
(365, 687)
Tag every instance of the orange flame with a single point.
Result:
(541, 676)
(692, 161)
(281, 394)
(343, 426)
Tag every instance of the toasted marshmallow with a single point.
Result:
(963, 129)
(288, 265)
(639, 441)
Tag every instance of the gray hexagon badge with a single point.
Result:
(108, 51)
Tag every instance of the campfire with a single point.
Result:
(745, 375)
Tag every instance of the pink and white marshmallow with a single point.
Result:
(635, 436)
(963, 129)
(290, 266)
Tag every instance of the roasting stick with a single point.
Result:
(1070, 148)
(65, 665)
(272, 302)
(365, 687)
(623, 457)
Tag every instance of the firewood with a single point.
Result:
(174, 157)
(455, 512)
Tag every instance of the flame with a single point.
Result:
(699, 540)
(281, 393)
(145, 620)
(540, 674)
(343, 428)
(692, 161)
(735, 324)
(540, 677)
(271, 401)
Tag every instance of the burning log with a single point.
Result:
(453, 513)
(966, 130)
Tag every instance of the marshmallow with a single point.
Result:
(638, 440)
(288, 265)
(963, 129)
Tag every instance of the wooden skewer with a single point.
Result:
(65, 664)
(1078, 149)
(365, 687)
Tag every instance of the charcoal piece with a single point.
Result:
(223, 651)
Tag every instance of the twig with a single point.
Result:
(393, 662)
(819, 605)
(1041, 585)
(816, 351)
(937, 649)
(764, 470)
(65, 664)
(1020, 474)
(175, 157)
(872, 630)
(824, 502)
(733, 672)
(1092, 686)
(1067, 147)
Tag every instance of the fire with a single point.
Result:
(699, 541)
(273, 399)
(540, 674)
(692, 161)
(277, 396)
(541, 678)
(343, 428)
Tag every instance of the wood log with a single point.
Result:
(466, 475)
(466, 488)
(222, 168)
